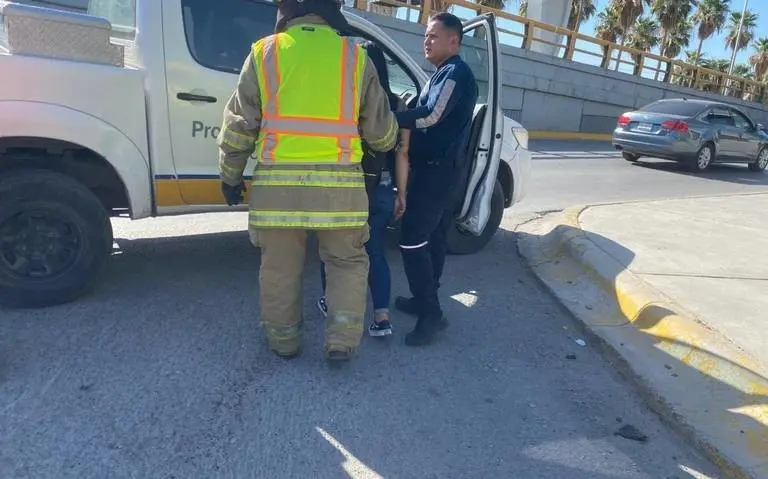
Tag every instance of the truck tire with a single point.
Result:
(55, 239)
(460, 243)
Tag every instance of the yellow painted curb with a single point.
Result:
(568, 135)
(735, 437)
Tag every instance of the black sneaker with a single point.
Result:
(380, 328)
(406, 305)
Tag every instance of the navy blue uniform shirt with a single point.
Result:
(441, 120)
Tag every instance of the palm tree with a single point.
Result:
(677, 38)
(671, 15)
(694, 57)
(497, 4)
(747, 30)
(628, 12)
(644, 35)
(684, 75)
(581, 11)
(743, 71)
(719, 65)
(710, 18)
(759, 60)
(607, 29)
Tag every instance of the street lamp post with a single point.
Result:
(738, 38)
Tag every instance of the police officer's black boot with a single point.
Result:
(408, 305)
(426, 329)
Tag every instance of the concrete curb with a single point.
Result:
(568, 135)
(649, 331)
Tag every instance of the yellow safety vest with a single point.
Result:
(303, 124)
(308, 148)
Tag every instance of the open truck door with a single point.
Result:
(479, 211)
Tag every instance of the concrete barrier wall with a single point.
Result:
(550, 94)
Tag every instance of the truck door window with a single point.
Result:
(474, 51)
(220, 34)
(400, 82)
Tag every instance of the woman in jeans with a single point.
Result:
(384, 204)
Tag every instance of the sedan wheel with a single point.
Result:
(703, 158)
(762, 161)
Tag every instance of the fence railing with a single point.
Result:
(523, 33)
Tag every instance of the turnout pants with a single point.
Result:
(424, 230)
(280, 279)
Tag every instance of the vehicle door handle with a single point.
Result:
(194, 97)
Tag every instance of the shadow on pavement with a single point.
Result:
(163, 372)
(731, 173)
(697, 388)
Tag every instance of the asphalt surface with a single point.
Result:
(566, 173)
(163, 373)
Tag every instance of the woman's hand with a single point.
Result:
(399, 206)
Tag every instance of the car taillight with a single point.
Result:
(624, 120)
(675, 125)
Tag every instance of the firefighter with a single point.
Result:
(305, 100)
(440, 124)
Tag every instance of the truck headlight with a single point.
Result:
(521, 135)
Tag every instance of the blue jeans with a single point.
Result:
(382, 206)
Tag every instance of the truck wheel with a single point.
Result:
(55, 238)
(460, 242)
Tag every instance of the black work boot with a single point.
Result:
(406, 305)
(425, 331)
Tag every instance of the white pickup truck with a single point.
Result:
(114, 113)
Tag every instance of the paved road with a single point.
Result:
(568, 173)
(163, 373)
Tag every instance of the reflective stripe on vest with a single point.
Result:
(307, 219)
(301, 125)
(310, 178)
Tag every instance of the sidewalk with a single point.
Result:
(679, 290)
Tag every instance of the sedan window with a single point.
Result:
(740, 120)
(680, 107)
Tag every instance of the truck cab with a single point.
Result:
(136, 136)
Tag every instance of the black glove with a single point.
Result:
(233, 194)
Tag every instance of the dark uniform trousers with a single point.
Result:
(424, 230)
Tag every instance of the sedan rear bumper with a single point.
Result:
(671, 147)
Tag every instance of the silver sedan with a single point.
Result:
(696, 133)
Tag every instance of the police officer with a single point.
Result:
(307, 138)
(440, 124)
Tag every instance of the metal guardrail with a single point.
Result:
(611, 55)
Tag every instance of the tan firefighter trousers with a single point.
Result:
(280, 280)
